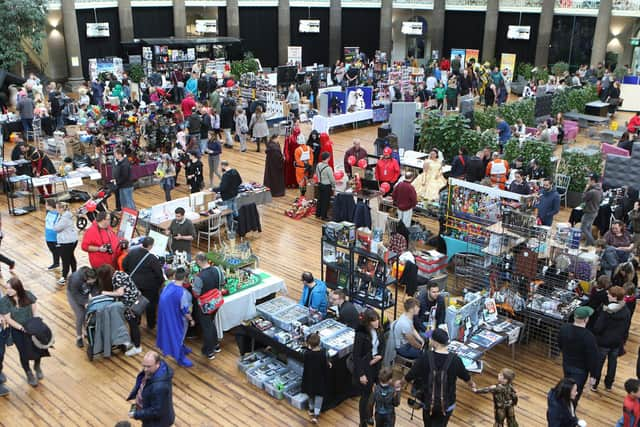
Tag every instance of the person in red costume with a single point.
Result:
(327, 145)
(101, 242)
(634, 123)
(187, 105)
(387, 168)
(290, 145)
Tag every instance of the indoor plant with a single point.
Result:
(559, 68)
(578, 164)
(529, 150)
(136, 75)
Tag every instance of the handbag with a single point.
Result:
(142, 302)
(211, 300)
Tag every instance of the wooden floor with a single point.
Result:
(215, 393)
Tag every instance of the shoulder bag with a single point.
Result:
(142, 302)
(213, 299)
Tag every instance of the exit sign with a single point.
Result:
(635, 42)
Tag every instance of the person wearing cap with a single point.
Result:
(498, 171)
(387, 168)
(591, 199)
(579, 349)
(145, 269)
(439, 399)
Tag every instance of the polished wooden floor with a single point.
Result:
(215, 393)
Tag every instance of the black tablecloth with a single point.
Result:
(340, 382)
(8, 127)
(602, 220)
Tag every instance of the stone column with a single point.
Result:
(284, 30)
(335, 31)
(545, 26)
(56, 61)
(72, 42)
(490, 30)
(233, 19)
(436, 27)
(179, 18)
(126, 20)
(386, 41)
(601, 34)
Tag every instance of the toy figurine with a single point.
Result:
(505, 398)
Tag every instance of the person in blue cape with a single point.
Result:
(174, 315)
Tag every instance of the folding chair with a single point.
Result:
(562, 186)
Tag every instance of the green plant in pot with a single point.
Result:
(529, 150)
(524, 69)
(559, 68)
(136, 73)
(578, 164)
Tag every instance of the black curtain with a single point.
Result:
(100, 47)
(222, 21)
(572, 39)
(360, 27)
(152, 22)
(311, 43)
(465, 30)
(259, 33)
(525, 50)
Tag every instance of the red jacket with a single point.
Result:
(187, 105)
(634, 124)
(404, 196)
(445, 64)
(387, 170)
(326, 145)
(630, 411)
(95, 236)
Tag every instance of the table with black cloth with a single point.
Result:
(340, 382)
(138, 171)
(602, 221)
(16, 126)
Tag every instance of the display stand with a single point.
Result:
(21, 198)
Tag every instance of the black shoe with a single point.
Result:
(31, 379)
(3, 378)
(53, 266)
(217, 349)
(4, 391)
(39, 374)
(211, 356)
(79, 343)
(370, 421)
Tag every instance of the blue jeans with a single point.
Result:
(126, 198)
(408, 351)
(27, 125)
(231, 204)
(203, 145)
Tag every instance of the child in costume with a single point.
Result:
(505, 398)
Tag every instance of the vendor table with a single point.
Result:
(324, 124)
(597, 108)
(137, 171)
(241, 306)
(16, 126)
(261, 197)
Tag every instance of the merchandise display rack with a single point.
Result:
(21, 198)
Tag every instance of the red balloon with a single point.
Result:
(91, 206)
(351, 160)
(338, 175)
(362, 163)
(385, 187)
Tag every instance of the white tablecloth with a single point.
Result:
(323, 124)
(241, 306)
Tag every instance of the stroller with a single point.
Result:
(97, 203)
(98, 303)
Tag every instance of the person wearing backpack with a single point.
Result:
(385, 398)
(434, 375)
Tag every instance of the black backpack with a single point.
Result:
(435, 387)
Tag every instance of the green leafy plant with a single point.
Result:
(559, 68)
(578, 165)
(529, 150)
(449, 133)
(573, 99)
(136, 73)
(21, 20)
(247, 65)
(540, 73)
(524, 69)
(522, 109)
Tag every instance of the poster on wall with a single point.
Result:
(97, 29)
(508, 62)
(350, 53)
(472, 54)
(294, 54)
(456, 52)
(105, 65)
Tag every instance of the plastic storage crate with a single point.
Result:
(296, 398)
(272, 307)
(285, 318)
(341, 343)
(327, 328)
(263, 374)
(252, 360)
(281, 383)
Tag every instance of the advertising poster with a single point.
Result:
(351, 53)
(456, 52)
(472, 54)
(508, 61)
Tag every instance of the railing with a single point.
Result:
(362, 3)
(466, 4)
(626, 7)
(581, 7)
(520, 5)
(309, 3)
(413, 4)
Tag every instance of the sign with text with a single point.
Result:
(294, 54)
(97, 29)
(309, 26)
(412, 28)
(206, 26)
(518, 32)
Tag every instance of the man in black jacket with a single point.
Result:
(209, 278)
(194, 124)
(228, 189)
(347, 312)
(122, 180)
(432, 308)
(475, 168)
(145, 270)
(579, 349)
(153, 393)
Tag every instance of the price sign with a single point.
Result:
(39, 182)
(94, 176)
(73, 182)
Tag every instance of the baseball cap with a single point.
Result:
(594, 176)
(440, 336)
(583, 312)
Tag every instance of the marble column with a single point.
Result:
(335, 31)
(436, 28)
(72, 42)
(233, 18)
(490, 30)
(126, 20)
(601, 34)
(386, 41)
(545, 26)
(179, 18)
(284, 31)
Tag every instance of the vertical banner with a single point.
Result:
(456, 52)
(351, 53)
(294, 55)
(508, 62)
(472, 54)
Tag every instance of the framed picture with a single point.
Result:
(128, 222)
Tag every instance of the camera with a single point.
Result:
(108, 248)
(415, 403)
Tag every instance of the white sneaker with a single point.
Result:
(133, 351)
(62, 281)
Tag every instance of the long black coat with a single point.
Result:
(274, 169)
(316, 373)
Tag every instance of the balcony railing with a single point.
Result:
(413, 4)
(520, 5)
(309, 3)
(626, 8)
(577, 7)
(466, 5)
